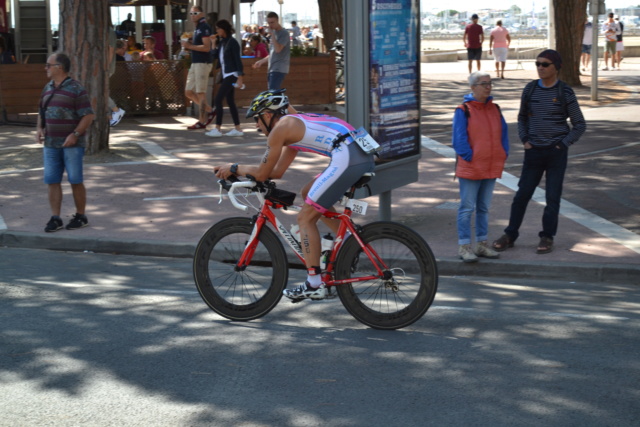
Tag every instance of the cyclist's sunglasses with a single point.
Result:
(543, 64)
(257, 117)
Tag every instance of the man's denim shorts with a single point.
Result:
(56, 160)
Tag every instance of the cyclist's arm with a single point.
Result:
(287, 131)
(286, 158)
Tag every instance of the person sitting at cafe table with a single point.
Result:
(150, 46)
(256, 48)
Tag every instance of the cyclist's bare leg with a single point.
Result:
(333, 224)
(309, 235)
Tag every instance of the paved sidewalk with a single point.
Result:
(162, 206)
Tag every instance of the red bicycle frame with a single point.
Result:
(266, 215)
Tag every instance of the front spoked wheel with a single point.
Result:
(239, 293)
(411, 281)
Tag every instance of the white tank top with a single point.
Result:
(321, 131)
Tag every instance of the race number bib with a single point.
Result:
(365, 141)
(358, 206)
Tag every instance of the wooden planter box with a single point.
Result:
(20, 89)
(311, 81)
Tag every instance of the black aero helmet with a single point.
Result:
(273, 100)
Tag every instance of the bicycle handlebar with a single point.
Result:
(231, 189)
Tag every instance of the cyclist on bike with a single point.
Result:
(287, 134)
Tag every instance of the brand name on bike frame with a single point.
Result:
(295, 245)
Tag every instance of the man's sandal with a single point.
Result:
(545, 246)
(503, 243)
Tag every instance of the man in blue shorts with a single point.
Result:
(287, 134)
(65, 115)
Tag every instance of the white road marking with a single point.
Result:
(581, 216)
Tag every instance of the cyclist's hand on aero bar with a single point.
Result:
(224, 172)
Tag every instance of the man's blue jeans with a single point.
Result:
(475, 195)
(537, 162)
(274, 80)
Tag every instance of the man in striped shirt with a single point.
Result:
(65, 115)
(543, 129)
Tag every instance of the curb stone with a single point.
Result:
(573, 272)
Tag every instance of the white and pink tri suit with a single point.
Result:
(348, 161)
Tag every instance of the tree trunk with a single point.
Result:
(570, 18)
(331, 17)
(84, 27)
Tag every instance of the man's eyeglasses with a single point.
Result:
(194, 13)
(47, 65)
(543, 64)
(484, 84)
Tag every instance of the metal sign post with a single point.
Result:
(594, 50)
(382, 79)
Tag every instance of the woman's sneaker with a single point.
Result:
(214, 133)
(234, 132)
(78, 221)
(466, 253)
(54, 224)
(305, 291)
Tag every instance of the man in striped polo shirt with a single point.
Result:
(543, 129)
(65, 115)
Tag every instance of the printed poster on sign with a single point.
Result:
(395, 77)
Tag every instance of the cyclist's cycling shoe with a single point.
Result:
(305, 291)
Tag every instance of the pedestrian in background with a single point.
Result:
(65, 115)
(610, 29)
(619, 44)
(499, 46)
(116, 48)
(227, 49)
(201, 64)
(481, 143)
(545, 105)
(279, 53)
(473, 38)
(587, 41)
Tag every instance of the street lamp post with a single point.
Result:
(280, 3)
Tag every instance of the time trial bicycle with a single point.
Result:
(383, 272)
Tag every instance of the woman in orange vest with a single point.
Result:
(481, 142)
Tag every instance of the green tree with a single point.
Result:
(84, 27)
(569, 18)
(451, 12)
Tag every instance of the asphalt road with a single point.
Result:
(100, 340)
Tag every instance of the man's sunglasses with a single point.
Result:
(543, 64)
